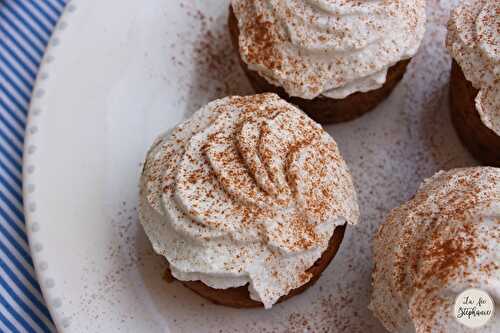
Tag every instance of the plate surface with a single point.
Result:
(116, 74)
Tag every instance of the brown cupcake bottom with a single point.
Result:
(239, 297)
(323, 109)
(481, 141)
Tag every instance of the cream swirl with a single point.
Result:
(327, 47)
(435, 246)
(247, 191)
(474, 42)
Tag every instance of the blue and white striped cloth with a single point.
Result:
(25, 28)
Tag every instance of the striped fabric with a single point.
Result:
(25, 27)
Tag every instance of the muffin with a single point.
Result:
(474, 43)
(336, 60)
(440, 243)
(247, 200)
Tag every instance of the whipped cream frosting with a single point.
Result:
(249, 191)
(474, 42)
(327, 47)
(443, 241)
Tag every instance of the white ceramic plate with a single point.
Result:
(119, 72)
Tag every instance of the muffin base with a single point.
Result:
(239, 297)
(323, 109)
(481, 141)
